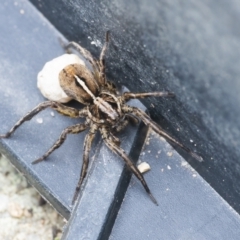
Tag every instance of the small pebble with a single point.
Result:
(143, 167)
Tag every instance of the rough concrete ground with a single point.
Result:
(23, 214)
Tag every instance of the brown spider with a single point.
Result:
(105, 111)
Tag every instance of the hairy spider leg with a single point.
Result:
(72, 129)
(102, 60)
(86, 149)
(129, 95)
(123, 123)
(105, 46)
(86, 54)
(115, 139)
(71, 112)
(119, 151)
(149, 122)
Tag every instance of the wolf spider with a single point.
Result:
(104, 110)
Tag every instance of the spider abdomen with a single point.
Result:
(78, 82)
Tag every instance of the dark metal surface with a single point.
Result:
(188, 207)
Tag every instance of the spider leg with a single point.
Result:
(122, 125)
(73, 129)
(86, 54)
(86, 149)
(128, 95)
(115, 139)
(69, 111)
(119, 151)
(149, 122)
(54, 105)
(105, 46)
(102, 60)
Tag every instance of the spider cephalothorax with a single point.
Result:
(105, 111)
